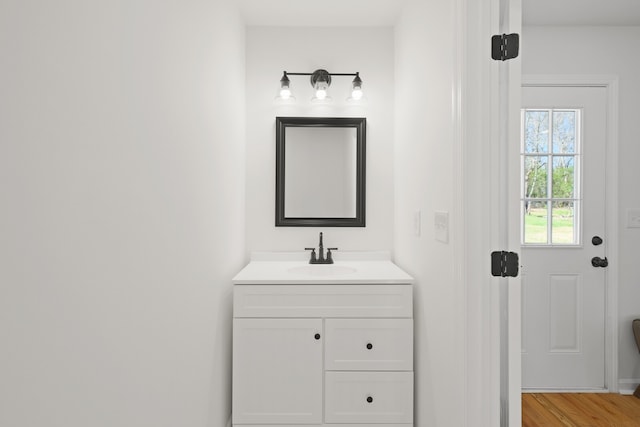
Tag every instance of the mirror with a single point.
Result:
(320, 171)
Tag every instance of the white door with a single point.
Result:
(277, 371)
(563, 243)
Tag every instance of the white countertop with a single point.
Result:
(348, 268)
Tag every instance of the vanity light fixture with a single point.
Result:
(320, 81)
(356, 92)
(285, 92)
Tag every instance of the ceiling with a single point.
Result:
(581, 12)
(325, 13)
(354, 13)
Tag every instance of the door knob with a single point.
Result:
(596, 261)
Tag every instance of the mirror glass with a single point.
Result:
(320, 171)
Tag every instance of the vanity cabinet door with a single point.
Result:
(277, 371)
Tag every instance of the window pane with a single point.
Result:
(550, 190)
(535, 177)
(535, 222)
(564, 132)
(563, 223)
(563, 177)
(536, 131)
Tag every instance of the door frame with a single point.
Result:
(610, 84)
(486, 113)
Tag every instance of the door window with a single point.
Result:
(550, 153)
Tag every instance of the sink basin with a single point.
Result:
(322, 270)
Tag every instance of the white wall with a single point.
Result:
(122, 219)
(424, 146)
(611, 51)
(122, 172)
(272, 50)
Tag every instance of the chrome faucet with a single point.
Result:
(320, 259)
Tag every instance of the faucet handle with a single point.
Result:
(329, 258)
(313, 253)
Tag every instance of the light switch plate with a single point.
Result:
(633, 218)
(441, 226)
(417, 223)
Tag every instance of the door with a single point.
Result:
(277, 371)
(562, 232)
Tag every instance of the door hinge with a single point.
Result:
(505, 46)
(504, 264)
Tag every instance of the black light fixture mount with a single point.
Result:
(319, 76)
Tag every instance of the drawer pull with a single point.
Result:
(369, 399)
(317, 336)
(369, 346)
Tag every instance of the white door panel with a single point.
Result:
(563, 328)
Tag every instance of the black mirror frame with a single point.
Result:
(360, 124)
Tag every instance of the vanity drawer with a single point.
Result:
(369, 344)
(350, 301)
(368, 397)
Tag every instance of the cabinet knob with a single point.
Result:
(369, 346)
(317, 336)
(369, 399)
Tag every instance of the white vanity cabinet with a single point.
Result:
(322, 354)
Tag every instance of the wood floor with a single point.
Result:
(580, 410)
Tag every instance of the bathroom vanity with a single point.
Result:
(322, 344)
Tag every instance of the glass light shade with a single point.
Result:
(321, 92)
(356, 94)
(285, 93)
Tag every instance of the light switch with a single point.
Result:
(633, 218)
(417, 223)
(441, 226)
